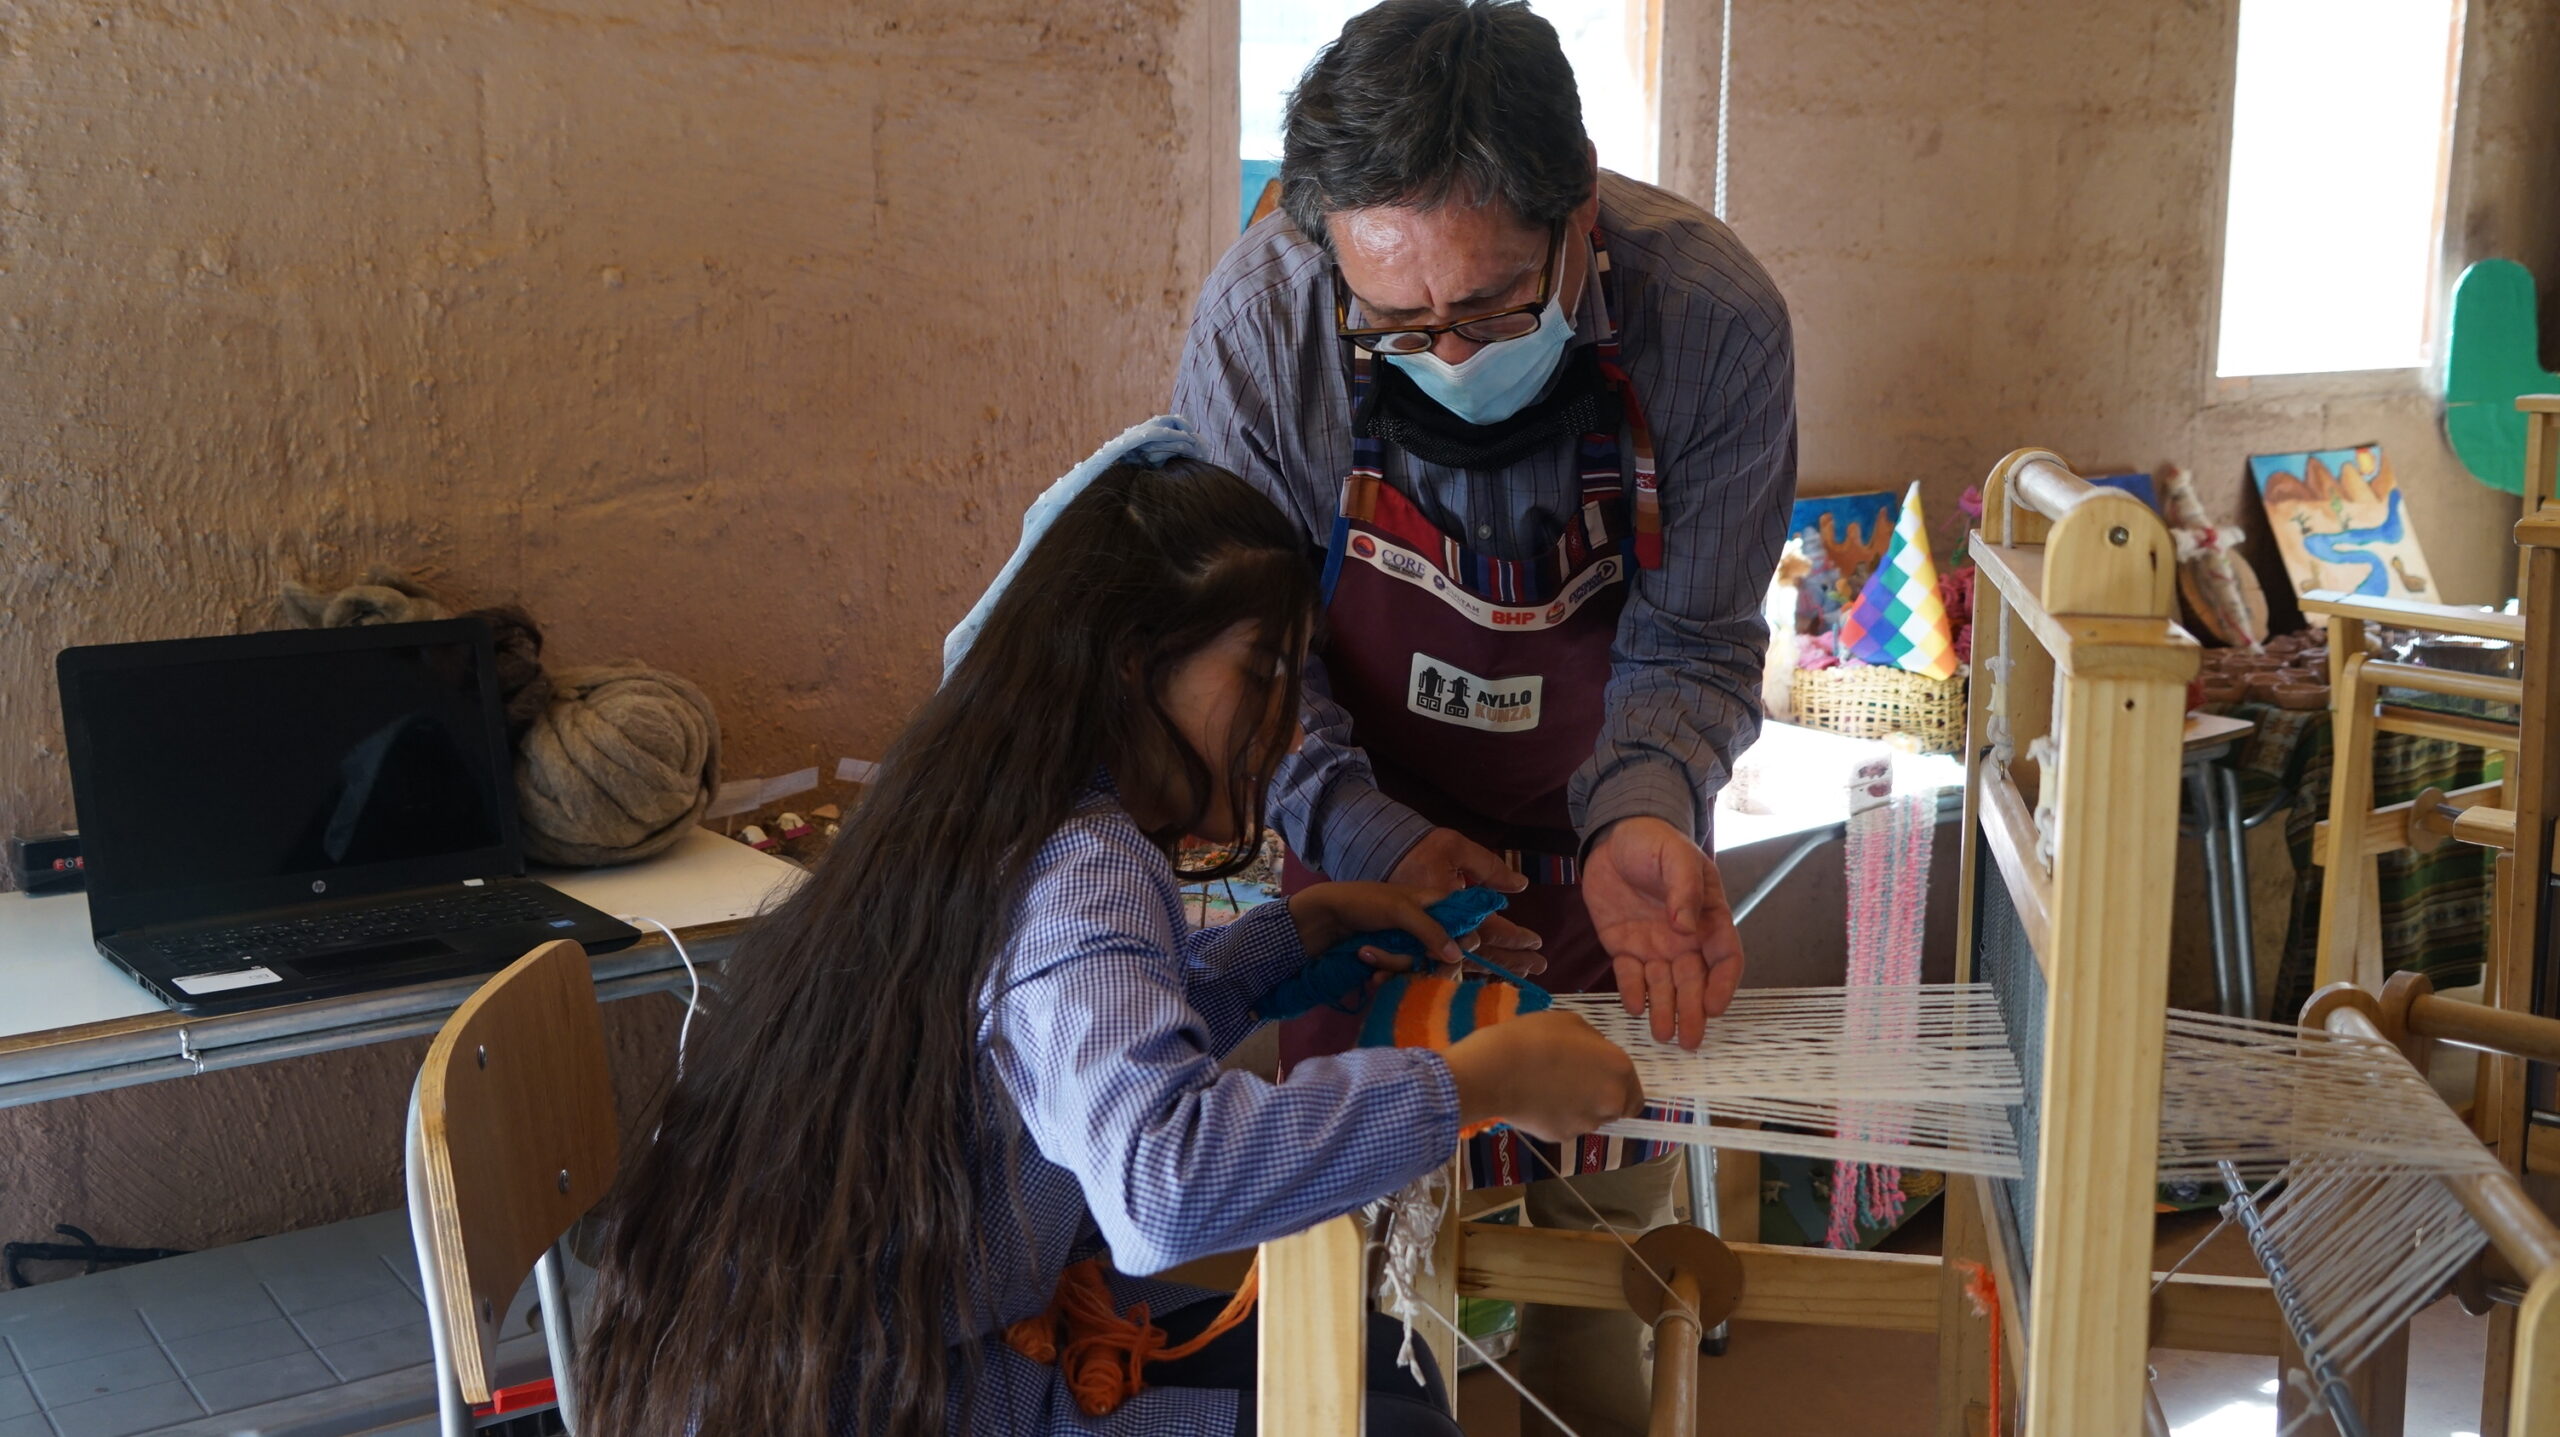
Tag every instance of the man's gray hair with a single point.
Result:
(1418, 102)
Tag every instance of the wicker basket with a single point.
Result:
(1872, 701)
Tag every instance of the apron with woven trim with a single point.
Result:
(1476, 685)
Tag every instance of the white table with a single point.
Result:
(1793, 783)
(71, 1022)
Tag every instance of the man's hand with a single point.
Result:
(1659, 906)
(1446, 860)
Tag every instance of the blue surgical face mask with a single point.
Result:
(1498, 380)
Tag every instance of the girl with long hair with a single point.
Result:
(981, 1044)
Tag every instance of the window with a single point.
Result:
(2339, 123)
(1613, 45)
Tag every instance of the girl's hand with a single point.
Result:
(1327, 913)
(1549, 1074)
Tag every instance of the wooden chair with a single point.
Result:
(512, 1138)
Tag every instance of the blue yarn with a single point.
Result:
(1333, 978)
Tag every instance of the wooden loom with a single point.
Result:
(2076, 596)
(2077, 642)
(2071, 803)
(2513, 815)
(2506, 815)
(2071, 798)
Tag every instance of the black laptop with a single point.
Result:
(271, 818)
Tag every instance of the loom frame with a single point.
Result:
(2102, 622)
(2078, 584)
(2073, 752)
(2513, 815)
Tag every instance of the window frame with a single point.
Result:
(2426, 376)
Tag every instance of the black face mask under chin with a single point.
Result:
(1398, 412)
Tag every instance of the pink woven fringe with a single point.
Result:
(1888, 858)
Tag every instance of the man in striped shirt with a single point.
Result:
(1538, 423)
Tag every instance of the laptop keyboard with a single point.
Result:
(214, 949)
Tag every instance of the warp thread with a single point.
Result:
(1406, 1226)
(1888, 861)
(1335, 977)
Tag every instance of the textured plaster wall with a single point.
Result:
(730, 336)
(1999, 224)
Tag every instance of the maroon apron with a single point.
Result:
(1476, 685)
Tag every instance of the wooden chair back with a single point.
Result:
(515, 1139)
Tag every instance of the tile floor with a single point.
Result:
(135, 1349)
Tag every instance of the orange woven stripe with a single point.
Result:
(1422, 1017)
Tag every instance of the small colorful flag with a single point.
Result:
(1898, 619)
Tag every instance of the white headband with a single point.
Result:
(1167, 436)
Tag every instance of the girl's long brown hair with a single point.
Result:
(793, 1250)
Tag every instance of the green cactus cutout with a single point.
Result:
(2490, 358)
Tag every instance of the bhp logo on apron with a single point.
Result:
(1441, 690)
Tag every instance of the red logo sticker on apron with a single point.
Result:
(1398, 562)
(1441, 690)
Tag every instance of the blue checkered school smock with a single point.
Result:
(1104, 1021)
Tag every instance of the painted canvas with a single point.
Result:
(2341, 522)
(2137, 485)
(1843, 536)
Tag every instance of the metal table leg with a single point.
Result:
(1706, 1211)
(2235, 836)
(2204, 800)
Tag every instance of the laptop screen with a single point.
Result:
(217, 776)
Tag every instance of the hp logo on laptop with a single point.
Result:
(319, 885)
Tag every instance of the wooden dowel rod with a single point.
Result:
(2435, 815)
(2495, 1200)
(2413, 614)
(2387, 828)
(2452, 683)
(2491, 1030)
(1675, 1361)
(2048, 488)
(2485, 826)
(2453, 728)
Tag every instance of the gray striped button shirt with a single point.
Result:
(1704, 339)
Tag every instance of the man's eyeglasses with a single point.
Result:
(1514, 323)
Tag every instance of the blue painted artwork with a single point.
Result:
(2137, 485)
(2342, 523)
